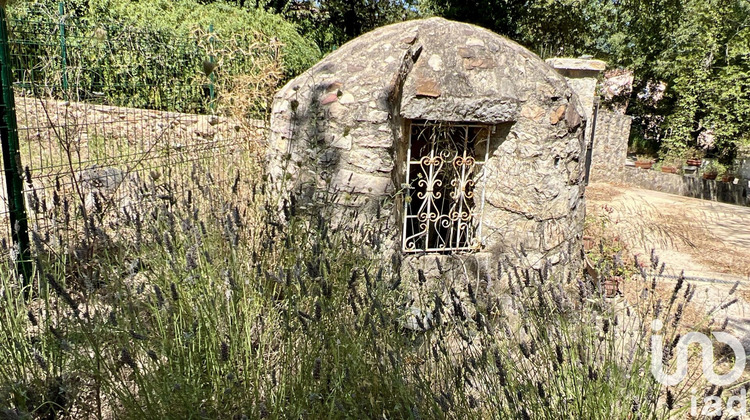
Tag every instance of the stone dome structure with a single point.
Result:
(460, 143)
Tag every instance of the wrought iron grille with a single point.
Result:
(444, 164)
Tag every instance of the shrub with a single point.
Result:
(154, 54)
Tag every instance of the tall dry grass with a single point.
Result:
(207, 305)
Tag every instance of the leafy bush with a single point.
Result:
(157, 54)
(715, 168)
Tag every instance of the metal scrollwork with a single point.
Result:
(442, 172)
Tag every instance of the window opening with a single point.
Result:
(445, 161)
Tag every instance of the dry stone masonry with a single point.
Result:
(344, 129)
(582, 76)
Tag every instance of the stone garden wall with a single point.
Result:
(609, 163)
(610, 146)
(687, 185)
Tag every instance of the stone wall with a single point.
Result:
(610, 146)
(685, 185)
(115, 140)
(648, 179)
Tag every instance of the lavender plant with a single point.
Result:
(206, 305)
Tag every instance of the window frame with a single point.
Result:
(429, 172)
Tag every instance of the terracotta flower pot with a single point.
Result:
(643, 164)
(694, 162)
(611, 286)
(727, 178)
(669, 169)
(710, 176)
(588, 243)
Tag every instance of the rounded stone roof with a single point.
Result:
(441, 69)
(342, 129)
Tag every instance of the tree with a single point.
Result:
(698, 49)
(707, 67)
(548, 27)
(500, 16)
(331, 23)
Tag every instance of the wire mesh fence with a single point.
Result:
(111, 120)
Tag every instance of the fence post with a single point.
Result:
(12, 159)
(211, 76)
(63, 49)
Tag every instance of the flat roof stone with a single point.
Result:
(577, 64)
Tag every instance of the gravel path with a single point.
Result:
(705, 238)
(710, 241)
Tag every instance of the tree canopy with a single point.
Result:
(698, 51)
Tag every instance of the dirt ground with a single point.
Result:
(707, 240)
(704, 238)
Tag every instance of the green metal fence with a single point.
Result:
(105, 116)
(13, 205)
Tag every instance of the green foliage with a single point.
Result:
(714, 167)
(500, 16)
(331, 23)
(708, 64)
(555, 28)
(699, 49)
(549, 27)
(151, 54)
(674, 160)
(182, 18)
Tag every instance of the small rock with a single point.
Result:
(557, 115)
(346, 98)
(409, 38)
(370, 161)
(428, 88)
(478, 63)
(329, 99)
(532, 112)
(465, 52)
(342, 142)
(354, 182)
(573, 118)
(339, 112)
(376, 117)
(435, 62)
(376, 140)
